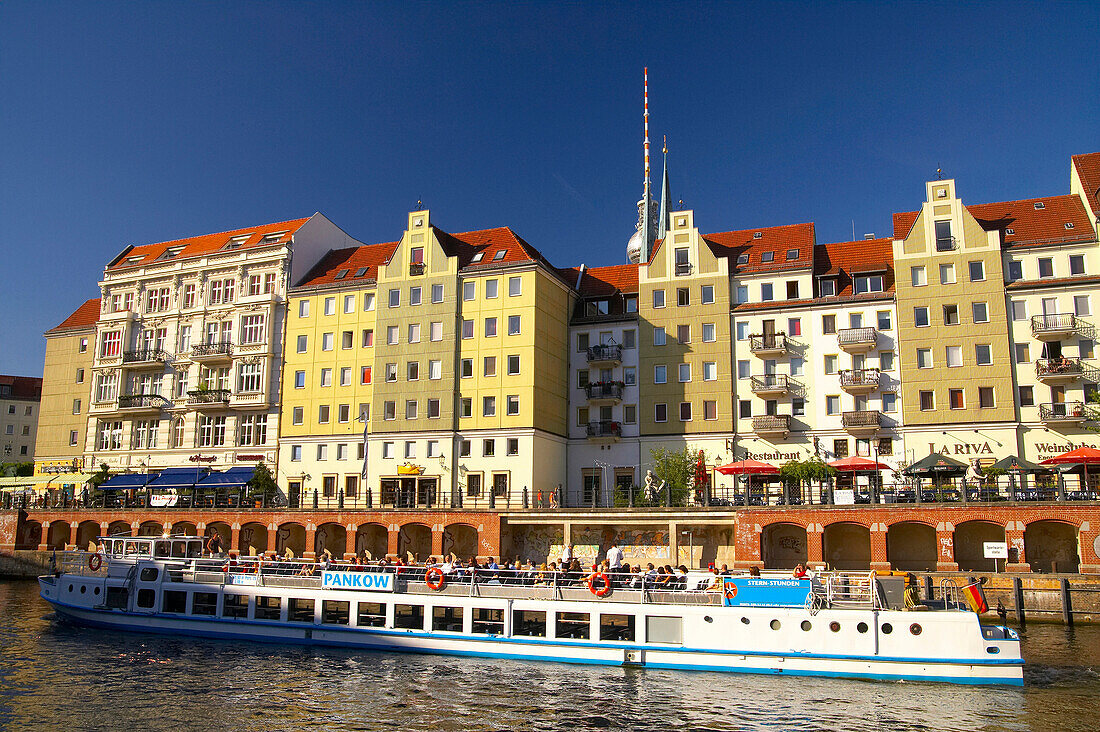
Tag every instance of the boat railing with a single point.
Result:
(951, 593)
(845, 590)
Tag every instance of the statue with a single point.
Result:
(651, 487)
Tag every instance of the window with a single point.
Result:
(364, 375)
(511, 406)
(950, 314)
(410, 450)
(1085, 348)
(985, 397)
(298, 415)
(685, 411)
(250, 377)
(1027, 396)
(708, 333)
(886, 360)
(947, 274)
(513, 325)
(467, 329)
(326, 341)
(252, 430)
(742, 330)
(660, 374)
(742, 294)
(920, 317)
(296, 453)
(798, 407)
(794, 326)
(630, 376)
(766, 292)
(515, 286)
(395, 298)
(1019, 310)
(977, 271)
(629, 339)
(924, 358)
(658, 298)
(706, 294)
(954, 356)
(112, 344)
(347, 339)
(82, 347)
(368, 337)
(1015, 270)
(884, 320)
(683, 333)
(744, 409)
(980, 312)
(391, 372)
(658, 336)
(389, 410)
(433, 411)
(685, 372)
(488, 448)
(660, 412)
(414, 332)
(1081, 305)
(792, 289)
(832, 404)
(212, 432)
(889, 402)
(489, 406)
(1077, 264)
(490, 327)
(797, 364)
(918, 276)
(368, 301)
(683, 297)
(415, 296)
(983, 355)
(252, 329)
(955, 398)
(944, 241)
(326, 377)
(767, 257)
(323, 414)
(76, 406)
(710, 371)
(435, 369)
(630, 413)
(828, 324)
(830, 363)
(330, 306)
(868, 283)
(393, 334)
(387, 450)
(927, 401)
(490, 366)
(1046, 267)
(513, 365)
(412, 370)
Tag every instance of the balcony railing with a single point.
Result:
(770, 383)
(861, 420)
(416, 268)
(212, 349)
(1063, 411)
(946, 244)
(604, 428)
(772, 423)
(1070, 368)
(1058, 324)
(141, 401)
(605, 352)
(604, 390)
(144, 356)
(208, 396)
(855, 378)
(856, 337)
(768, 342)
(683, 269)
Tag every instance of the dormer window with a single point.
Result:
(767, 257)
(1039, 205)
(235, 242)
(1069, 225)
(170, 253)
(792, 254)
(341, 274)
(742, 258)
(1010, 231)
(135, 260)
(828, 287)
(272, 238)
(499, 255)
(758, 235)
(360, 272)
(477, 258)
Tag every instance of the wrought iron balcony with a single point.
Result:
(768, 344)
(772, 424)
(857, 339)
(861, 421)
(416, 268)
(1063, 412)
(1054, 370)
(147, 355)
(141, 402)
(1056, 326)
(208, 396)
(605, 353)
(946, 244)
(610, 391)
(683, 269)
(604, 429)
(770, 384)
(212, 351)
(859, 381)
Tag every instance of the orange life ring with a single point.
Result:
(603, 591)
(95, 562)
(435, 579)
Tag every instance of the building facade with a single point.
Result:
(20, 398)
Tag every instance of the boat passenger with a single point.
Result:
(799, 572)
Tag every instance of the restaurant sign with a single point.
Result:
(376, 581)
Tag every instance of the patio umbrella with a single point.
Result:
(937, 464)
(747, 467)
(1013, 464)
(1086, 456)
(856, 464)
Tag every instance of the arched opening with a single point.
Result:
(1051, 546)
(332, 537)
(120, 528)
(253, 539)
(86, 533)
(782, 546)
(58, 537)
(184, 528)
(970, 538)
(373, 540)
(29, 536)
(150, 528)
(911, 547)
(415, 539)
(224, 533)
(461, 540)
(847, 546)
(291, 536)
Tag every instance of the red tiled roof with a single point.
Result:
(846, 258)
(603, 281)
(23, 387)
(775, 239)
(1088, 170)
(1029, 225)
(84, 316)
(487, 242)
(358, 264)
(198, 245)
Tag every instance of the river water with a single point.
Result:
(54, 676)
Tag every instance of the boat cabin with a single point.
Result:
(159, 547)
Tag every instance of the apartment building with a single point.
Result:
(20, 397)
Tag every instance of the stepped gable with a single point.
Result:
(1027, 222)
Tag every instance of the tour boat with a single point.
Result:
(837, 624)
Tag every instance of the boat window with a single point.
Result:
(149, 574)
(204, 603)
(175, 601)
(268, 608)
(664, 629)
(300, 610)
(335, 612)
(179, 549)
(235, 606)
(617, 627)
(775, 625)
(887, 628)
(488, 620)
(410, 617)
(834, 626)
(160, 549)
(194, 549)
(529, 622)
(806, 625)
(447, 618)
(117, 598)
(371, 615)
(862, 627)
(915, 629)
(572, 625)
(146, 598)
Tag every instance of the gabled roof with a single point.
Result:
(847, 258)
(84, 316)
(1088, 170)
(603, 281)
(22, 387)
(358, 265)
(487, 242)
(145, 254)
(756, 243)
(1027, 222)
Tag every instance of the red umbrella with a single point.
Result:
(748, 467)
(1084, 455)
(856, 463)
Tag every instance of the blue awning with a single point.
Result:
(126, 481)
(232, 478)
(179, 478)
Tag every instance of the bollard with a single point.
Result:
(1067, 606)
(525, 497)
(370, 498)
(1018, 600)
(492, 498)
(340, 499)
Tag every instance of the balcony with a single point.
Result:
(770, 384)
(684, 269)
(208, 398)
(250, 400)
(604, 430)
(607, 354)
(1057, 326)
(857, 340)
(862, 422)
(141, 403)
(604, 392)
(1063, 370)
(212, 352)
(768, 344)
(416, 268)
(946, 244)
(1063, 413)
(859, 381)
(144, 358)
(772, 425)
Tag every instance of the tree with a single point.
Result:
(677, 469)
(263, 483)
(795, 473)
(101, 477)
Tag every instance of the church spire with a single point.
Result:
(666, 197)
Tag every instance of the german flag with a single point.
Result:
(975, 598)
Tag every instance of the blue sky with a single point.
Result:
(133, 123)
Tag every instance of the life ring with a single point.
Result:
(604, 590)
(95, 562)
(435, 579)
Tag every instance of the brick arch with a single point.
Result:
(969, 538)
(915, 520)
(911, 546)
(416, 538)
(372, 539)
(847, 545)
(461, 539)
(225, 533)
(86, 533)
(58, 536)
(783, 544)
(253, 538)
(120, 528)
(1052, 545)
(331, 536)
(290, 535)
(151, 528)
